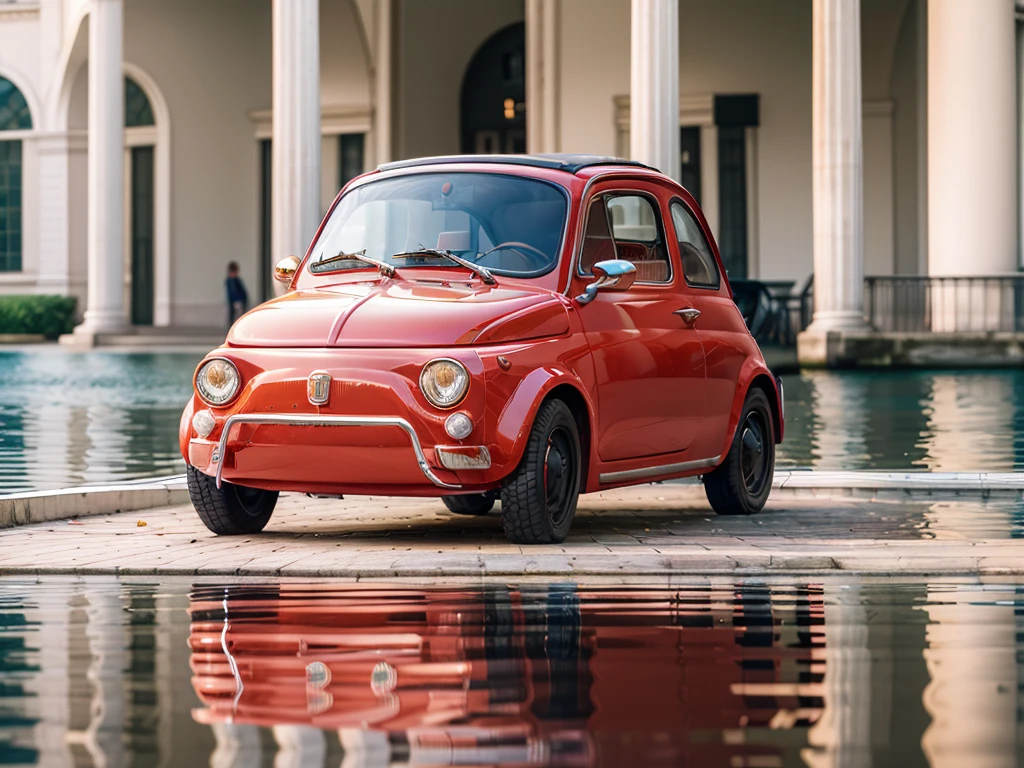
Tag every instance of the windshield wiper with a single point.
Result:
(482, 272)
(385, 269)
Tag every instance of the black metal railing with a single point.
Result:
(923, 304)
(893, 303)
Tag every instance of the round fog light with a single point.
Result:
(203, 423)
(458, 425)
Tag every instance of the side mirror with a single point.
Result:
(285, 269)
(612, 275)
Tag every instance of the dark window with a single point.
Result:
(14, 116)
(142, 235)
(635, 235)
(689, 160)
(138, 112)
(351, 148)
(266, 268)
(732, 189)
(10, 206)
(698, 262)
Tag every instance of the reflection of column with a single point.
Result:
(364, 749)
(296, 125)
(238, 746)
(842, 736)
(104, 723)
(970, 427)
(47, 446)
(654, 85)
(299, 746)
(838, 440)
(51, 684)
(972, 696)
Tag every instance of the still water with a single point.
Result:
(69, 419)
(101, 672)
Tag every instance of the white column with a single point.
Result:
(972, 176)
(295, 197)
(382, 82)
(837, 167)
(654, 85)
(542, 83)
(105, 311)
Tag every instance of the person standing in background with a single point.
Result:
(238, 299)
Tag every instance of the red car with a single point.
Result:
(522, 327)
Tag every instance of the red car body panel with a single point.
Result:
(659, 399)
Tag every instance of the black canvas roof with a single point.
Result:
(560, 162)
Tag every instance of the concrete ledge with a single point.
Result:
(883, 349)
(44, 506)
(895, 485)
(22, 338)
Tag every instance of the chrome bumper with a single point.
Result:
(299, 420)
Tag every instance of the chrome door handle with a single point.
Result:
(689, 315)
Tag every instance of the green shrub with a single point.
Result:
(49, 315)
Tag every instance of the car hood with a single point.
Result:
(403, 313)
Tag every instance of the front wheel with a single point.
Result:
(475, 504)
(231, 509)
(740, 485)
(538, 501)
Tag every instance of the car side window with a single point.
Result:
(597, 241)
(699, 265)
(626, 227)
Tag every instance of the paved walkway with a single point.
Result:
(647, 530)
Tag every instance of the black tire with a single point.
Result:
(741, 484)
(538, 500)
(231, 509)
(475, 504)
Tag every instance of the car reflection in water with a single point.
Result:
(551, 675)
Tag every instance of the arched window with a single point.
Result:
(138, 113)
(14, 116)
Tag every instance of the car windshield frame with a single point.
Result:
(344, 266)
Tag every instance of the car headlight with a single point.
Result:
(217, 381)
(444, 382)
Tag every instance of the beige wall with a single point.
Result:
(746, 46)
(435, 42)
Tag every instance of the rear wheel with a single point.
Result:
(538, 501)
(470, 504)
(231, 509)
(741, 484)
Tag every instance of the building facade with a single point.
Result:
(146, 143)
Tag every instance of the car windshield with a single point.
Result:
(508, 225)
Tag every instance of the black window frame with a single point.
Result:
(707, 243)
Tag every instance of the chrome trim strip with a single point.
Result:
(662, 469)
(302, 420)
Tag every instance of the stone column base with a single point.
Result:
(876, 349)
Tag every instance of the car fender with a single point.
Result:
(185, 428)
(517, 417)
(751, 369)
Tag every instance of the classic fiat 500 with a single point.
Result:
(522, 328)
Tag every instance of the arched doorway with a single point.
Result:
(494, 95)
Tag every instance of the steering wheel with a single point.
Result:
(536, 256)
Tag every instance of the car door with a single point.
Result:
(718, 322)
(648, 359)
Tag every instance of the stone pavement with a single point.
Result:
(642, 531)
